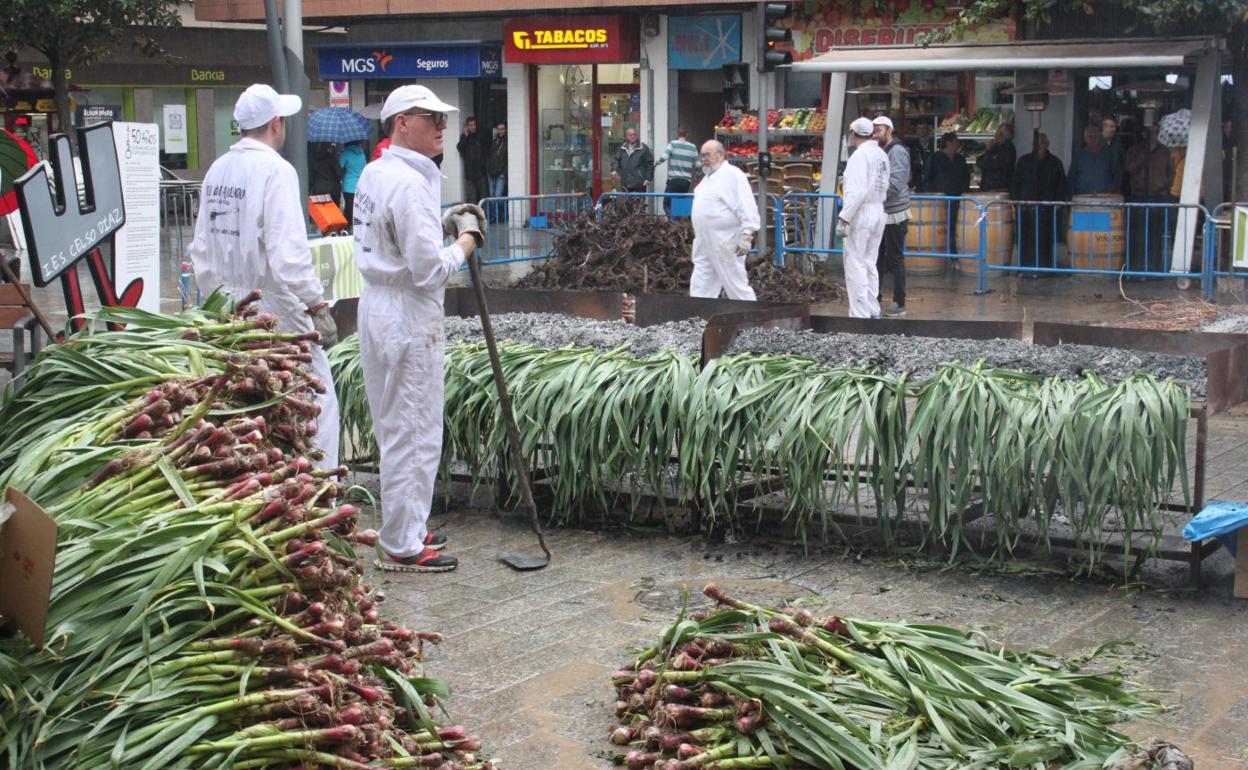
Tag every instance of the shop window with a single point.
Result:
(161, 97)
(565, 139)
(618, 74)
(224, 128)
(803, 89)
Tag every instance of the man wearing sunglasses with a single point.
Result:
(399, 235)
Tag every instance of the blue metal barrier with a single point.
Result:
(1221, 262)
(1112, 238)
(524, 227)
(808, 221)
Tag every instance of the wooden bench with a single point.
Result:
(27, 337)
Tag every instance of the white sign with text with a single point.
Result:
(175, 129)
(136, 246)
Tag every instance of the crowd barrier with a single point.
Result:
(524, 227)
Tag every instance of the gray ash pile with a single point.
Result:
(551, 330)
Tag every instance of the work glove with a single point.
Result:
(465, 218)
(324, 324)
(745, 243)
(842, 228)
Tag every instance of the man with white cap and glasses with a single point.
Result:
(399, 234)
(861, 219)
(251, 233)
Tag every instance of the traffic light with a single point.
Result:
(736, 86)
(775, 40)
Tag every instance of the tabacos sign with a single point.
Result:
(570, 39)
(407, 61)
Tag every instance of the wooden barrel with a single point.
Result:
(999, 233)
(928, 231)
(1098, 233)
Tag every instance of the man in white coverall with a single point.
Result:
(399, 234)
(725, 218)
(250, 234)
(861, 220)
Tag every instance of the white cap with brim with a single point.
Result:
(406, 98)
(883, 120)
(259, 104)
(862, 127)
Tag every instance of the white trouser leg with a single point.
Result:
(705, 280)
(862, 278)
(403, 376)
(328, 422)
(730, 270)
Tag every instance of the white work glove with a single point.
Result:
(465, 218)
(842, 228)
(745, 243)
(324, 324)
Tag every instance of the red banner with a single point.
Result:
(865, 23)
(570, 40)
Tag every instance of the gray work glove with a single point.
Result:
(745, 243)
(842, 228)
(465, 218)
(324, 324)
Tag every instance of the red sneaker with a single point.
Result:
(427, 560)
(435, 542)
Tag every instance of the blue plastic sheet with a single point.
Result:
(1218, 519)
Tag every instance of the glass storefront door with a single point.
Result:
(617, 108)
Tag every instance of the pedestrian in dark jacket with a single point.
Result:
(496, 174)
(1039, 176)
(633, 167)
(947, 174)
(472, 154)
(996, 165)
(324, 171)
(1150, 175)
(892, 253)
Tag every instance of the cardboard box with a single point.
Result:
(27, 559)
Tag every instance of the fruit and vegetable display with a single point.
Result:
(1092, 459)
(778, 119)
(984, 121)
(745, 686)
(207, 608)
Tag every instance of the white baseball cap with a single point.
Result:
(406, 98)
(883, 121)
(862, 127)
(260, 103)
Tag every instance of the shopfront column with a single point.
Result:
(654, 98)
(205, 128)
(519, 137)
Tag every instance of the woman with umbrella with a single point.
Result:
(330, 130)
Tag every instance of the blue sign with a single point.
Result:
(408, 61)
(703, 42)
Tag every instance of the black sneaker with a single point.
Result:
(425, 561)
(894, 311)
(435, 541)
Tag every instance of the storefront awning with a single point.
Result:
(1081, 54)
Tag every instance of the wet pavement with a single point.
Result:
(528, 655)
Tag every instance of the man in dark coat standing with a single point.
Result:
(472, 154)
(1039, 176)
(996, 165)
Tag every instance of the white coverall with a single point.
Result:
(398, 248)
(250, 234)
(865, 186)
(724, 209)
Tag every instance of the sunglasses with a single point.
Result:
(438, 119)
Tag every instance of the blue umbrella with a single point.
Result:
(339, 125)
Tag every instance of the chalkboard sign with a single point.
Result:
(60, 229)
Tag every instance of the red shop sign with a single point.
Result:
(570, 40)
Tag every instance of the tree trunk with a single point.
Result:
(60, 88)
(1238, 43)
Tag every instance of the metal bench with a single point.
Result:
(28, 340)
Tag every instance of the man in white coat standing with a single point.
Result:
(399, 231)
(251, 234)
(725, 218)
(861, 220)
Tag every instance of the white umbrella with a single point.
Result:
(1173, 129)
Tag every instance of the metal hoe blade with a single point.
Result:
(517, 561)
